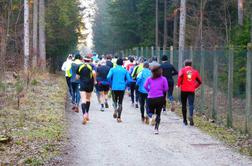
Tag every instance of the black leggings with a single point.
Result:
(155, 106)
(117, 96)
(118, 100)
(143, 102)
(134, 92)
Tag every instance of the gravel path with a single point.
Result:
(105, 142)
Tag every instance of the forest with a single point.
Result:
(132, 23)
(38, 33)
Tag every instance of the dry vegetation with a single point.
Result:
(33, 133)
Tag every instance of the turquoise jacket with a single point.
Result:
(141, 79)
(118, 77)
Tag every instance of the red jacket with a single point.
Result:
(189, 79)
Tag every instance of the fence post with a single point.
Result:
(137, 52)
(230, 86)
(142, 52)
(191, 53)
(164, 51)
(158, 54)
(215, 84)
(202, 73)
(152, 51)
(171, 55)
(146, 52)
(248, 87)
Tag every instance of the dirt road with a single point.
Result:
(105, 142)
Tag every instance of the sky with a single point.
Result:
(88, 19)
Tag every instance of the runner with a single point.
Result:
(141, 79)
(103, 84)
(188, 80)
(168, 72)
(66, 67)
(86, 75)
(133, 88)
(75, 83)
(130, 64)
(109, 61)
(156, 87)
(118, 77)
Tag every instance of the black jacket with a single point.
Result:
(168, 71)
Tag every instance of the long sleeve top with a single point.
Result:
(156, 87)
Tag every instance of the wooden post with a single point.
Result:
(191, 53)
(248, 87)
(152, 52)
(230, 87)
(171, 55)
(137, 52)
(202, 73)
(215, 84)
(158, 54)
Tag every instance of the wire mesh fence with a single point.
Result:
(225, 96)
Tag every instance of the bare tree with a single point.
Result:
(26, 35)
(182, 28)
(156, 25)
(165, 26)
(175, 25)
(35, 33)
(240, 11)
(3, 45)
(42, 47)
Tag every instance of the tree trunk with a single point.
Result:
(35, 33)
(2, 47)
(165, 27)
(240, 11)
(26, 35)
(182, 28)
(156, 43)
(175, 27)
(42, 48)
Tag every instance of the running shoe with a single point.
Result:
(191, 121)
(137, 105)
(147, 121)
(173, 106)
(84, 121)
(156, 131)
(153, 120)
(143, 119)
(115, 115)
(119, 120)
(102, 109)
(76, 110)
(87, 117)
(106, 105)
(185, 123)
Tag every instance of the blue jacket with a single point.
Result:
(141, 79)
(118, 77)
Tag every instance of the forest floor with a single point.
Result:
(33, 133)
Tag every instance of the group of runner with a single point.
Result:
(147, 82)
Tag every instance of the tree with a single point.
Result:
(240, 11)
(35, 33)
(42, 41)
(165, 26)
(157, 22)
(26, 35)
(182, 28)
